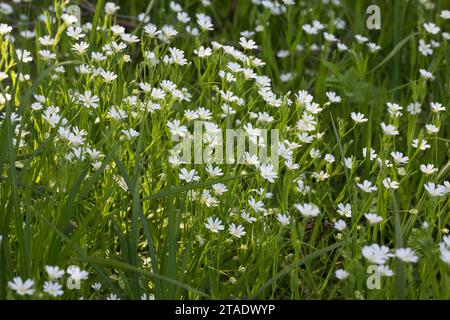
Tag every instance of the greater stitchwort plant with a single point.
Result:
(279, 149)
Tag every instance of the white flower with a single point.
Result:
(428, 168)
(341, 274)
(236, 231)
(373, 47)
(389, 129)
(348, 161)
(129, 38)
(361, 39)
(329, 158)
(431, 28)
(399, 158)
(425, 48)
(436, 107)
(358, 117)
(247, 44)
(366, 186)
(435, 190)
(214, 224)
(108, 76)
(219, 188)
(445, 14)
(283, 219)
(414, 108)
(151, 30)
(112, 296)
(204, 22)
(308, 209)
(47, 55)
(53, 288)
(385, 271)
(188, 176)
(207, 199)
(111, 8)
(344, 210)
(69, 19)
(46, 41)
(372, 152)
(183, 17)
(426, 74)
(394, 109)
(4, 29)
(176, 130)
(76, 273)
(445, 254)
(373, 218)
(257, 206)
(268, 172)
(390, 184)
(81, 47)
(341, 46)
(214, 171)
(376, 254)
(24, 55)
(20, 287)
(420, 144)
(203, 52)
(89, 100)
(340, 225)
(406, 255)
(431, 128)
(98, 56)
(54, 272)
(177, 56)
(75, 32)
(130, 133)
(96, 286)
(444, 249)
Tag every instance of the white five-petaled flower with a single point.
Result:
(214, 224)
(24, 55)
(428, 168)
(176, 129)
(188, 176)
(367, 186)
(426, 74)
(373, 218)
(389, 129)
(344, 209)
(333, 97)
(203, 52)
(20, 287)
(390, 184)
(341, 274)
(247, 44)
(108, 76)
(88, 99)
(81, 47)
(406, 255)
(340, 225)
(76, 273)
(435, 190)
(376, 254)
(308, 209)
(237, 231)
(75, 32)
(54, 272)
(283, 219)
(53, 288)
(358, 117)
(267, 171)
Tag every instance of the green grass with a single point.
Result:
(130, 221)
